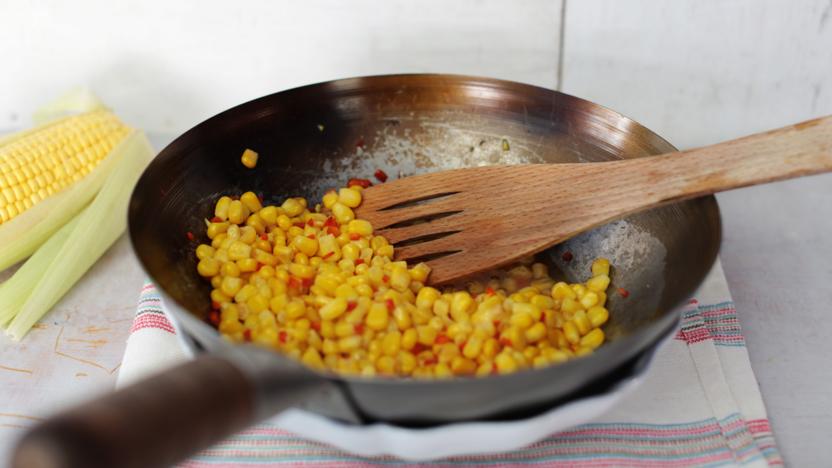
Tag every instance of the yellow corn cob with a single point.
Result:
(47, 160)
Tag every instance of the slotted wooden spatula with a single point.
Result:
(468, 220)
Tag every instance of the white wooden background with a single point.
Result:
(696, 71)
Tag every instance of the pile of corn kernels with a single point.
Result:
(317, 285)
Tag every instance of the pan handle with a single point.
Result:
(153, 423)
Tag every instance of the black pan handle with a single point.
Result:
(153, 423)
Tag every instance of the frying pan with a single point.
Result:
(316, 137)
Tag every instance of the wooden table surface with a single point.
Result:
(776, 254)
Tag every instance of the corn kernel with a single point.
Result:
(333, 309)
(208, 267)
(378, 316)
(597, 316)
(343, 214)
(601, 266)
(598, 283)
(250, 200)
(349, 197)
(249, 158)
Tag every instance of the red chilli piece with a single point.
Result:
(293, 282)
(283, 336)
(360, 261)
(390, 305)
(306, 282)
(360, 143)
(351, 305)
(334, 231)
(385, 279)
(362, 182)
(380, 175)
(331, 222)
(442, 339)
(214, 317)
(299, 224)
(316, 326)
(247, 334)
(216, 219)
(328, 254)
(418, 348)
(489, 291)
(359, 329)
(623, 293)
(567, 256)
(190, 235)
(311, 236)
(215, 305)
(505, 342)
(310, 222)
(355, 236)
(264, 236)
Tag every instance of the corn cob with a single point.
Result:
(47, 175)
(47, 161)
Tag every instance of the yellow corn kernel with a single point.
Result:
(598, 283)
(360, 227)
(257, 303)
(312, 358)
(542, 302)
(461, 304)
(219, 297)
(301, 271)
(215, 229)
(536, 333)
(570, 331)
(208, 267)
(426, 297)
(391, 343)
(216, 281)
(402, 318)
(540, 270)
(305, 245)
(249, 158)
(221, 208)
(250, 200)
(399, 279)
(589, 299)
(343, 329)
(601, 266)
(239, 250)
(527, 308)
(204, 251)
(343, 214)
(562, 291)
(378, 316)
(442, 371)
(427, 335)
(386, 365)
(385, 251)
(505, 363)
(582, 322)
(593, 339)
(409, 339)
(473, 347)
(349, 343)
(329, 199)
(598, 316)
(237, 212)
(522, 320)
(349, 197)
(292, 207)
(269, 215)
(570, 305)
(333, 309)
(230, 285)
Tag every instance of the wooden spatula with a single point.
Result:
(468, 220)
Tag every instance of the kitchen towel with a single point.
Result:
(699, 405)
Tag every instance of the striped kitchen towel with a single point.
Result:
(698, 406)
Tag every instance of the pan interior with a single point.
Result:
(314, 138)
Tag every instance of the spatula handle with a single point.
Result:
(153, 423)
(785, 153)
